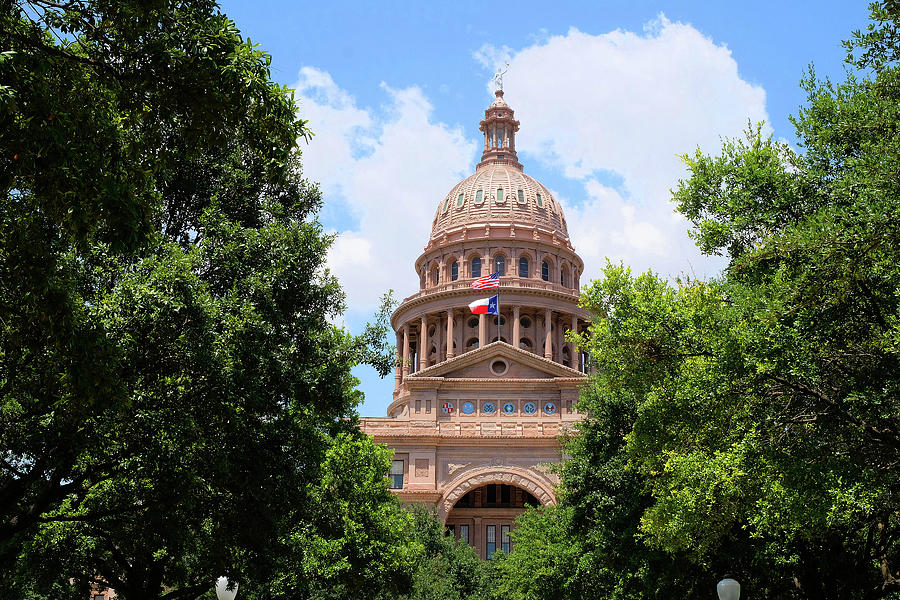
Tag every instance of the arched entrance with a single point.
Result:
(481, 507)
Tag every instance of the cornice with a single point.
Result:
(526, 233)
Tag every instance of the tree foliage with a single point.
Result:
(174, 404)
(446, 568)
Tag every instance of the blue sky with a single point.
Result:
(608, 93)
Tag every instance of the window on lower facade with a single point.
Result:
(504, 538)
(397, 475)
(464, 533)
(490, 540)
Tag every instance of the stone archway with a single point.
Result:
(534, 482)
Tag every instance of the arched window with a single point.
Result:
(563, 277)
(500, 265)
(472, 343)
(523, 267)
(545, 271)
(435, 276)
(454, 271)
(476, 267)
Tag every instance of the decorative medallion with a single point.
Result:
(488, 408)
(447, 408)
(529, 408)
(509, 408)
(468, 408)
(550, 408)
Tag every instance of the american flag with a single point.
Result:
(487, 282)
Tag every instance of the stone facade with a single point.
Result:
(480, 401)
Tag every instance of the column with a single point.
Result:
(482, 327)
(558, 339)
(440, 332)
(573, 348)
(398, 361)
(405, 371)
(450, 338)
(548, 332)
(516, 334)
(423, 343)
(477, 536)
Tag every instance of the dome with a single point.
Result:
(499, 192)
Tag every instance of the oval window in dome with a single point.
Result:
(521, 197)
(479, 197)
(460, 200)
(540, 201)
(446, 204)
(500, 197)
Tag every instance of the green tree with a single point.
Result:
(758, 412)
(446, 568)
(172, 396)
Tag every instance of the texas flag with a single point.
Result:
(485, 306)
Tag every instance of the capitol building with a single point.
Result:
(480, 401)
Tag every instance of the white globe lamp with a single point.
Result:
(728, 589)
(222, 589)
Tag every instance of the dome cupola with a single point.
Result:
(499, 127)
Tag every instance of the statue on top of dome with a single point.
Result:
(498, 77)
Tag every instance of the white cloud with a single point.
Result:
(629, 104)
(388, 170)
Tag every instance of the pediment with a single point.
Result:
(480, 363)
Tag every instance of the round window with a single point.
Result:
(468, 408)
(550, 408)
(473, 323)
(509, 408)
(502, 320)
(488, 408)
(499, 367)
(525, 322)
(529, 408)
